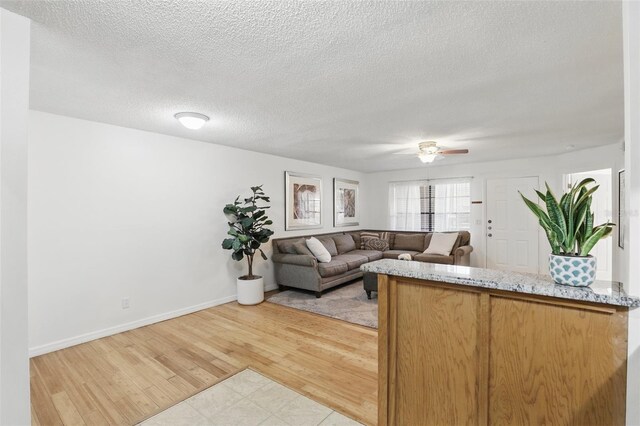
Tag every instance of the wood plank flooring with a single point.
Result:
(125, 378)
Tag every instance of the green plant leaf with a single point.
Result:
(558, 223)
(227, 243)
(592, 241)
(237, 255)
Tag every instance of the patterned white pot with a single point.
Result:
(576, 271)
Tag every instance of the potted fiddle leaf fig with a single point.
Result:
(248, 230)
(569, 226)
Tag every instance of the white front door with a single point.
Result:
(511, 229)
(602, 207)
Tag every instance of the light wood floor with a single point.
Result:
(127, 377)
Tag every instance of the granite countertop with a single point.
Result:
(606, 292)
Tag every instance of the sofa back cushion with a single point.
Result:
(329, 244)
(287, 246)
(356, 238)
(301, 248)
(411, 242)
(464, 239)
(344, 243)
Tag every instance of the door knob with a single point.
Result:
(489, 228)
(489, 235)
(489, 221)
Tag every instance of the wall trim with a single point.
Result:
(98, 334)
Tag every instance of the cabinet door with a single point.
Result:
(434, 359)
(555, 365)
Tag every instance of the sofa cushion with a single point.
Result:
(344, 243)
(373, 243)
(413, 242)
(334, 267)
(433, 258)
(442, 243)
(329, 244)
(464, 238)
(301, 248)
(370, 254)
(353, 261)
(356, 238)
(318, 249)
(287, 246)
(393, 254)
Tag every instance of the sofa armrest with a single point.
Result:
(295, 259)
(461, 255)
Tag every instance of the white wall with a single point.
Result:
(14, 102)
(549, 169)
(116, 212)
(631, 24)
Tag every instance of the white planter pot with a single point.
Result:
(250, 292)
(576, 271)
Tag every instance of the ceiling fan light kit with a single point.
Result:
(426, 157)
(429, 151)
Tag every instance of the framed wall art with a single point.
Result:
(303, 201)
(346, 208)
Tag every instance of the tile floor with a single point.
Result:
(249, 399)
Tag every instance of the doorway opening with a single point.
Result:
(602, 207)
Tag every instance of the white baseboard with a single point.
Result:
(83, 338)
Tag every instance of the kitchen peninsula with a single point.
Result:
(461, 345)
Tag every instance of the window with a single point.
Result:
(430, 206)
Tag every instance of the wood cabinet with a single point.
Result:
(461, 355)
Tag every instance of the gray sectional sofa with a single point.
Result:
(296, 267)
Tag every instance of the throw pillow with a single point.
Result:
(301, 248)
(318, 249)
(364, 235)
(441, 243)
(373, 243)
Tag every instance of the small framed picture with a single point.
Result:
(303, 201)
(346, 207)
(622, 229)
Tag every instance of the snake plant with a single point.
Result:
(568, 223)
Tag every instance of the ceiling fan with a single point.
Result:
(430, 151)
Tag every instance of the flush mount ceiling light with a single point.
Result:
(191, 120)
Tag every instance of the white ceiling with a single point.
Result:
(341, 83)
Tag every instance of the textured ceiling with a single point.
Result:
(341, 83)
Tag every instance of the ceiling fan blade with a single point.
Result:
(453, 151)
(405, 153)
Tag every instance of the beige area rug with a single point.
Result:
(249, 399)
(348, 303)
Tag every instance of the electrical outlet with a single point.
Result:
(125, 303)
